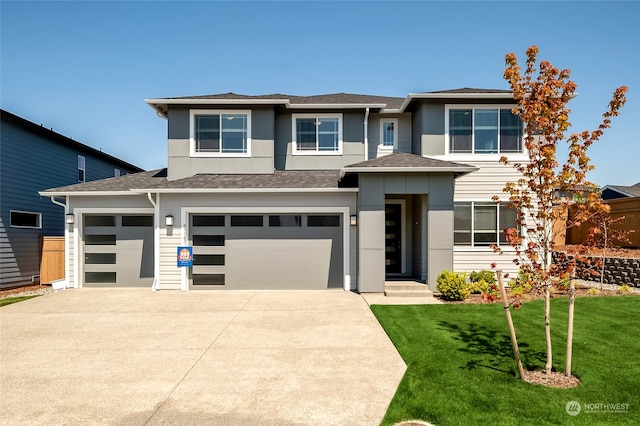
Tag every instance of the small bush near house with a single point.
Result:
(480, 282)
(624, 288)
(521, 284)
(453, 285)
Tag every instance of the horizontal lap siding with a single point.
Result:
(477, 260)
(486, 182)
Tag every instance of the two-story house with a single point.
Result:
(290, 192)
(33, 157)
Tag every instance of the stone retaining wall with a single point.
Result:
(617, 271)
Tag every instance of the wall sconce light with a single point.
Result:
(69, 218)
(353, 220)
(168, 220)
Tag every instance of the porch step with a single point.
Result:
(406, 289)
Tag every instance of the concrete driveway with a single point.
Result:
(123, 356)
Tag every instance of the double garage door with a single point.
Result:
(117, 250)
(266, 251)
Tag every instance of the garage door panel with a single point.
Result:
(284, 263)
(284, 253)
(132, 246)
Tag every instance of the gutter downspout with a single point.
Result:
(366, 134)
(156, 241)
(67, 266)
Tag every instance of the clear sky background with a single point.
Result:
(85, 68)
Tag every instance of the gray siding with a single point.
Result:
(32, 163)
(405, 130)
(428, 133)
(181, 164)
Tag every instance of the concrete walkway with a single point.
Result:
(135, 357)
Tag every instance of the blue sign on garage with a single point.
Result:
(185, 256)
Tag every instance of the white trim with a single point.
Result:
(186, 211)
(491, 95)
(479, 156)
(79, 215)
(403, 230)
(382, 146)
(156, 241)
(39, 226)
(88, 193)
(294, 144)
(192, 142)
(244, 190)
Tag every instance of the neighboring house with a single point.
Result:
(33, 157)
(290, 192)
(611, 192)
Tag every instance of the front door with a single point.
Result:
(393, 238)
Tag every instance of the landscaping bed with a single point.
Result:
(29, 290)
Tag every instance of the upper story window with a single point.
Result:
(389, 133)
(483, 130)
(220, 133)
(81, 169)
(317, 134)
(116, 172)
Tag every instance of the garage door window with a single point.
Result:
(100, 277)
(208, 279)
(247, 221)
(100, 259)
(100, 221)
(100, 240)
(208, 220)
(323, 220)
(137, 220)
(209, 259)
(285, 220)
(208, 240)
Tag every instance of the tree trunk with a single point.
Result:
(547, 326)
(512, 330)
(572, 291)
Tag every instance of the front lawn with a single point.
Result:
(460, 367)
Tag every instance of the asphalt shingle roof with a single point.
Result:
(401, 159)
(157, 180)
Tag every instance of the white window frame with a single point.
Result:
(499, 227)
(38, 226)
(116, 172)
(480, 155)
(82, 165)
(383, 121)
(294, 135)
(192, 132)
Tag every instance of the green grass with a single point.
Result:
(10, 300)
(461, 371)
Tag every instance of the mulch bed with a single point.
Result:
(29, 290)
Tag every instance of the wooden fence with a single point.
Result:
(627, 207)
(52, 259)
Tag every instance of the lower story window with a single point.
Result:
(481, 223)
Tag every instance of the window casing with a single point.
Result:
(483, 130)
(20, 219)
(389, 133)
(220, 133)
(317, 134)
(81, 168)
(479, 224)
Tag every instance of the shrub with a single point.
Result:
(453, 285)
(624, 288)
(477, 287)
(485, 275)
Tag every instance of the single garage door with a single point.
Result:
(118, 250)
(267, 251)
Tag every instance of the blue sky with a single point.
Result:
(85, 68)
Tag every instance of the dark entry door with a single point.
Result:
(393, 238)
